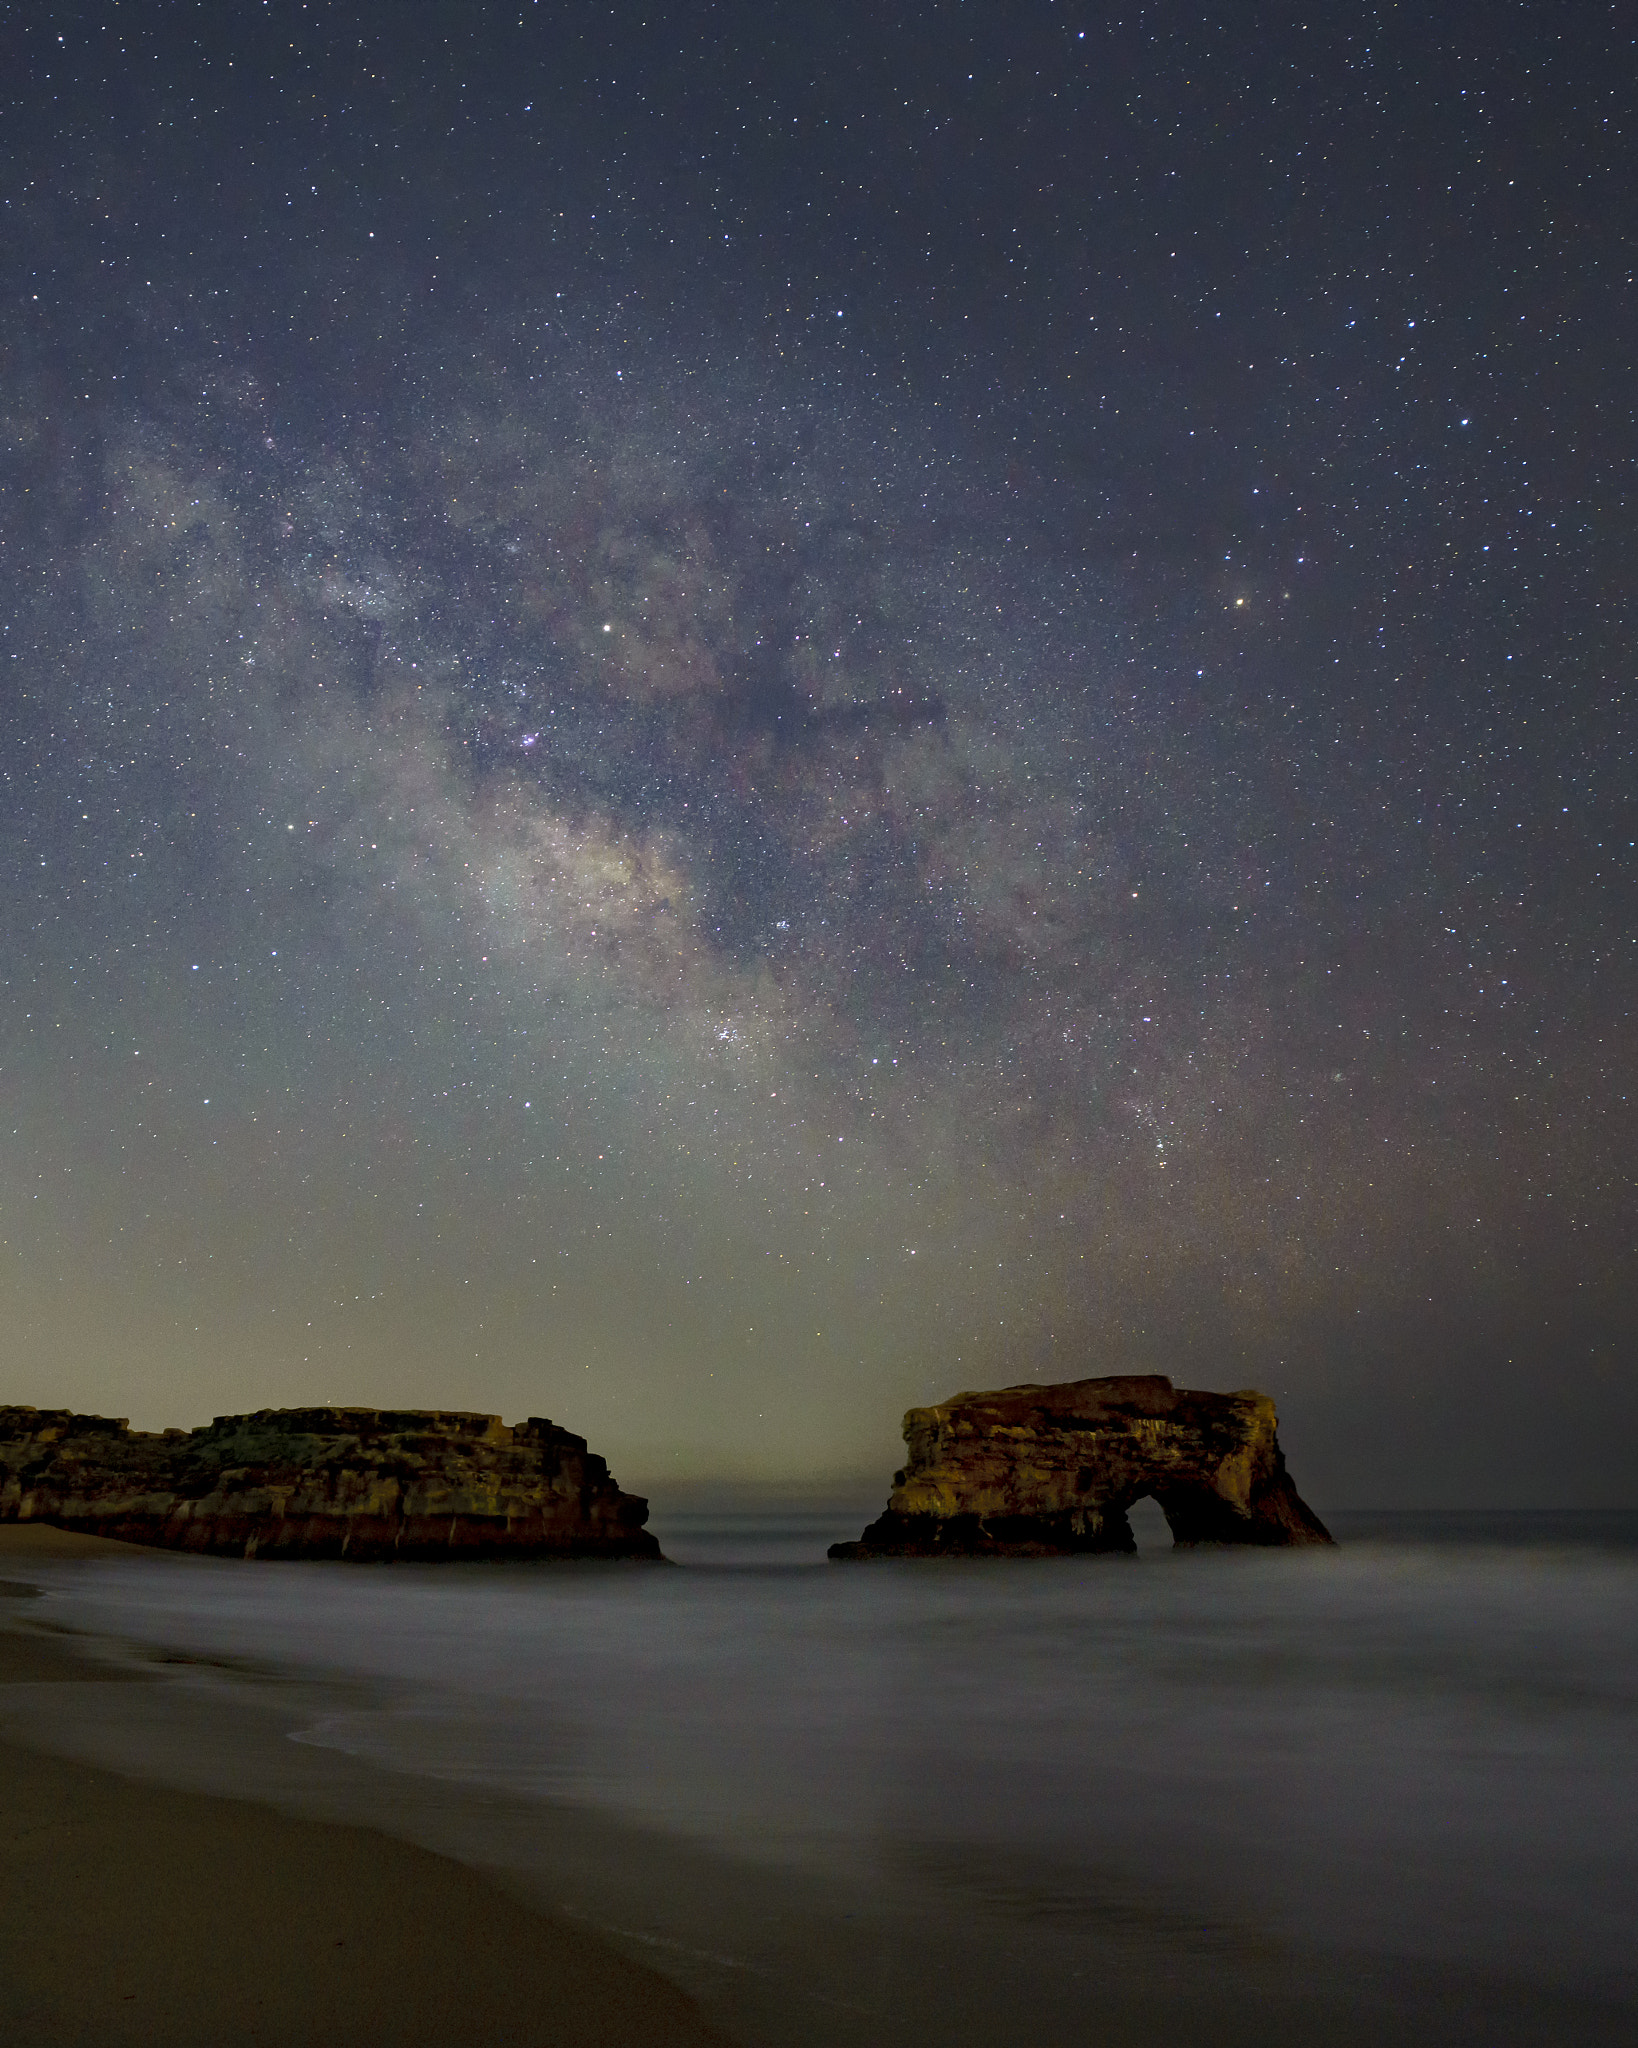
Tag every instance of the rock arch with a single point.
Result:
(1034, 1471)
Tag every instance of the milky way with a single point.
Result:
(580, 852)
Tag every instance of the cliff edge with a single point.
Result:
(369, 1484)
(1037, 1471)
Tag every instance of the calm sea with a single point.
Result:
(1286, 1796)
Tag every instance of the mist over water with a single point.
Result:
(1423, 1746)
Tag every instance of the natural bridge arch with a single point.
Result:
(1053, 1471)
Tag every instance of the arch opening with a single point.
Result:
(1150, 1528)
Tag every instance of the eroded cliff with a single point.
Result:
(361, 1483)
(1037, 1471)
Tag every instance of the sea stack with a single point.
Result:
(1038, 1471)
(368, 1484)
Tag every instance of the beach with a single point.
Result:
(1268, 1800)
(132, 1913)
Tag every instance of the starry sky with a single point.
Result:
(713, 718)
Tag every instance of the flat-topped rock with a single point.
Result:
(1037, 1471)
(370, 1484)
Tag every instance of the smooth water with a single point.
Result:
(1419, 1747)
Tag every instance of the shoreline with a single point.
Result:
(756, 1950)
(736, 1954)
(132, 1912)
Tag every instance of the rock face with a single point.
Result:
(1050, 1472)
(362, 1483)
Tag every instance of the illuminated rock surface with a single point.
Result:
(1038, 1471)
(360, 1483)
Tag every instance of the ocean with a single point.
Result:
(1386, 1791)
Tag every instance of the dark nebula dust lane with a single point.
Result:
(623, 801)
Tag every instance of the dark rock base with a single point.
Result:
(1062, 1535)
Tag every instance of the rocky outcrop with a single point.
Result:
(1051, 1471)
(362, 1483)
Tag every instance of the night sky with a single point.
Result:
(718, 717)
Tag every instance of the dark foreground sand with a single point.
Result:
(135, 1915)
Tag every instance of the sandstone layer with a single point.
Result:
(362, 1483)
(1037, 1471)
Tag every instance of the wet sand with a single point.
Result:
(132, 1914)
(138, 1904)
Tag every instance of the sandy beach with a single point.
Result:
(792, 1808)
(132, 1914)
